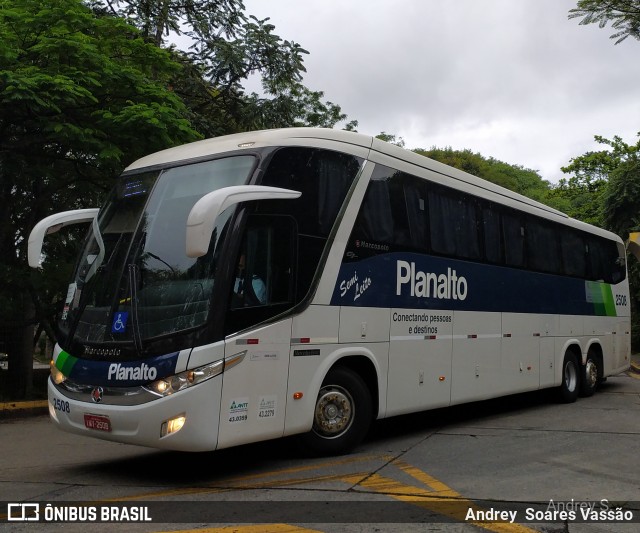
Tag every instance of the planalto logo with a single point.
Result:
(130, 373)
(447, 286)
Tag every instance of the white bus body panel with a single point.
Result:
(141, 424)
(521, 351)
(420, 373)
(254, 392)
(476, 356)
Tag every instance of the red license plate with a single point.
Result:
(97, 422)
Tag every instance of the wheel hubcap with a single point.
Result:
(591, 373)
(334, 412)
(570, 376)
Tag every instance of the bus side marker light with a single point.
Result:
(442, 378)
(173, 425)
(297, 395)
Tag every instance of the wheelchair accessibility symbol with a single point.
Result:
(119, 324)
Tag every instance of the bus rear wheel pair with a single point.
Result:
(577, 379)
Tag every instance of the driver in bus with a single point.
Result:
(248, 294)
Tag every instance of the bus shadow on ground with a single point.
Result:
(212, 469)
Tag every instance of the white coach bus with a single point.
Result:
(309, 281)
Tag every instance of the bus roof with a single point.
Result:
(346, 141)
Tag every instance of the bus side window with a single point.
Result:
(513, 235)
(264, 281)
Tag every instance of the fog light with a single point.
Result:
(172, 426)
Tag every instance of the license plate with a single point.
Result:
(97, 422)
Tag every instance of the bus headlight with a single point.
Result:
(56, 376)
(186, 379)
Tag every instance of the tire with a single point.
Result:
(570, 386)
(591, 375)
(342, 414)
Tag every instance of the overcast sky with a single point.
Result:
(511, 79)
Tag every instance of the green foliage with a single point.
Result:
(513, 177)
(621, 200)
(605, 190)
(624, 16)
(391, 139)
(227, 49)
(603, 187)
(81, 96)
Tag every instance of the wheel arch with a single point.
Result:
(366, 368)
(573, 346)
(595, 347)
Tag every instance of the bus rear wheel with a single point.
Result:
(570, 386)
(342, 414)
(591, 375)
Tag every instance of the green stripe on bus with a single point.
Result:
(607, 296)
(601, 297)
(65, 362)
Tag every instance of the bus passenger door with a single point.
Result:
(254, 382)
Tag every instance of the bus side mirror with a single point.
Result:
(51, 224)
(203, 215)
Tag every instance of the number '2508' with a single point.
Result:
(61, 405)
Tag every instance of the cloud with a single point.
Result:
(514, 80)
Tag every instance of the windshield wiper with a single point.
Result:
(134, 272)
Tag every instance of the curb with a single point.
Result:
(22, 409)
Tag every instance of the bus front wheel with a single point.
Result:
(342, 414)
(570, 386)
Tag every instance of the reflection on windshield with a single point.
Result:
(144, 224)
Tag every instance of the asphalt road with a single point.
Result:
(424, 472)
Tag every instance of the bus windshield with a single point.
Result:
(134, 280)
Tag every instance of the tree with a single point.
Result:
(601, 189)
(624, 16)
(227, 47)
(621, 198)
(605, 190)
(390, 138)
(513, 177)
(81, 96)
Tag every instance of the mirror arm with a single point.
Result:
(51, 224)
(203, 215)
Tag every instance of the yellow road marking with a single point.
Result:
(260, 528)
(229, 484)
(441, 499)
(211, 490)
(435, 496)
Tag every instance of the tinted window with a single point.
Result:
(572, 249)
(453, 224)
(603, 261)
(393, 214)
(491, 232)
(324, 178)
(513, 235)
(542, 247)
